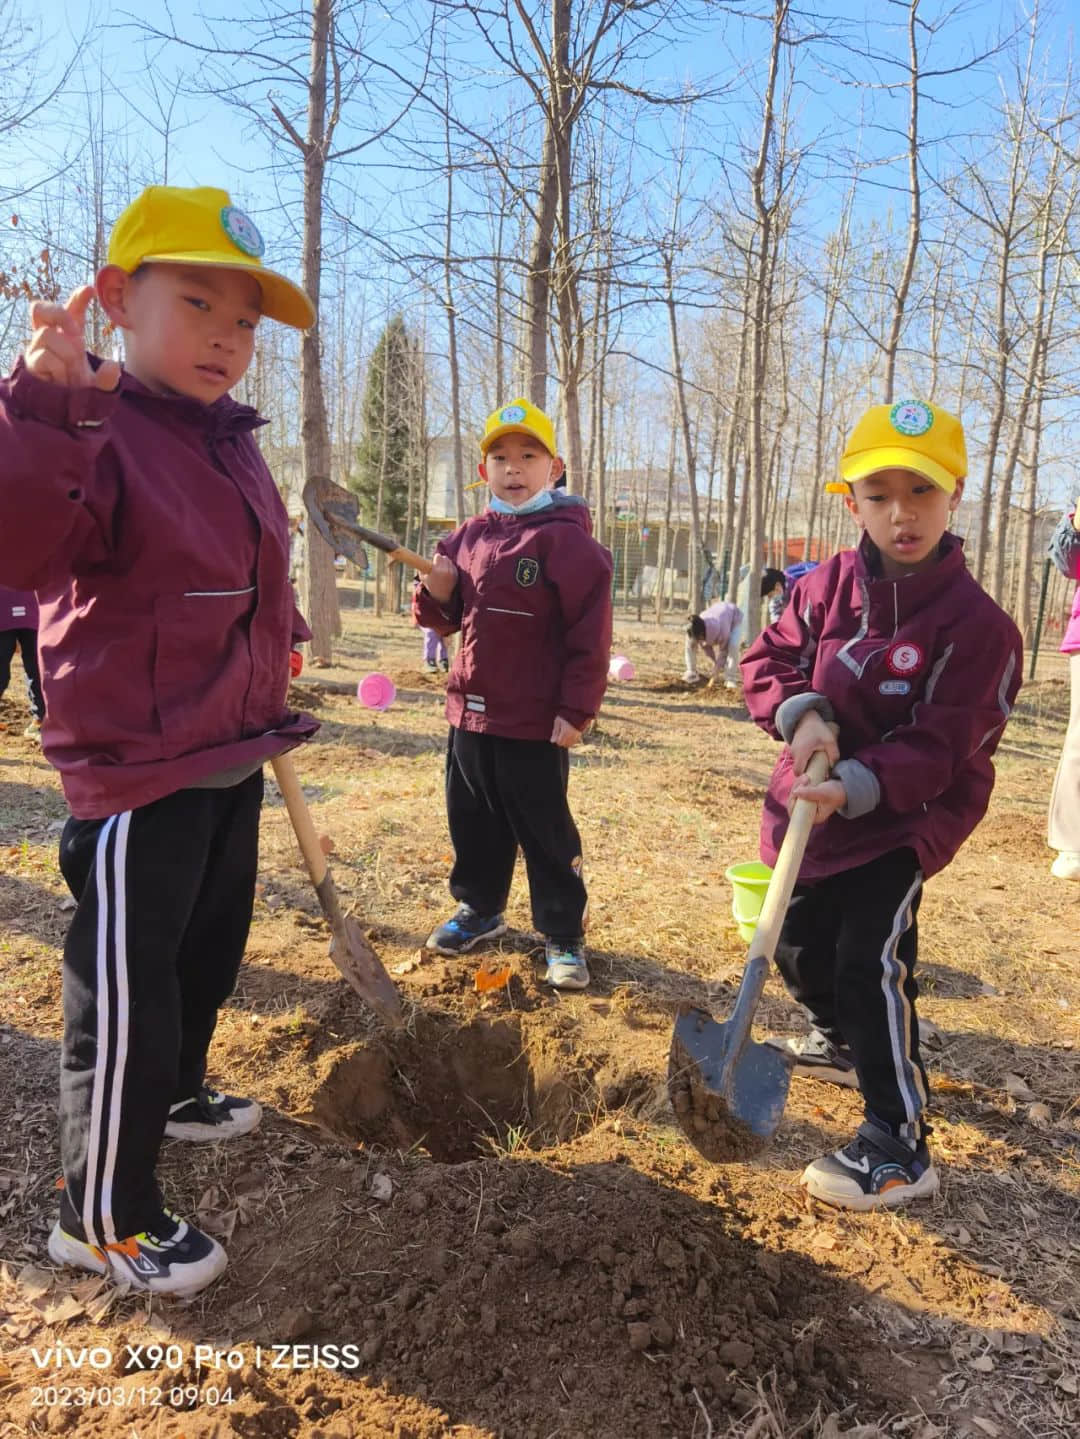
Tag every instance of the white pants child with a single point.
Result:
(724, 657)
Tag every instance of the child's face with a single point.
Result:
(518, 467)
(188, 330)
(905, 515)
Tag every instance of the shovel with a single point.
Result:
(335, 513)
(349, 950)
(728, 1091)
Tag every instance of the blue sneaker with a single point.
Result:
(566, 967)
(876, 1170)
(464, 929)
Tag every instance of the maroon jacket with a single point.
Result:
(919, 673)
(18, 609)
(157, 543)
(533, 604)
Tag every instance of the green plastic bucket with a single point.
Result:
(748, 881)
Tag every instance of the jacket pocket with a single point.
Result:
(202, 667)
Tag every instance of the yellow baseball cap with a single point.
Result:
(909, 435)
(203, 227)
(518, 418)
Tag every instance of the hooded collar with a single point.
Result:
(908, 593)
(224, 417)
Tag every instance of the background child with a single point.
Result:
(530, 591)
(1064, 819)
(716, 631)
(138, 506)
(918, 667)
(18, 626)
(435, 655)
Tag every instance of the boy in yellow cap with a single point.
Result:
(530, 591)
(136, 503)
(896, 645)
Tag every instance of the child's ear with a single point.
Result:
(954, 498)
(481, 470)
(111, 288)
(853, 510)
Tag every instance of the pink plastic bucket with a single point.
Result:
(376, 692)
(620, 668)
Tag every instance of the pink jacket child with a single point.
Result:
(158, 544)
(1063, 829)
(716, 630)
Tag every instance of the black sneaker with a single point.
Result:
(430, 667)
(817, 1057)
(212, 1115)
(566, 967)
(172, 1258)
(444, 665)
(875, 1171)
(464, 929)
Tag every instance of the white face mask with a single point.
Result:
(539, 501)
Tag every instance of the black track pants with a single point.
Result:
(502, 793)
(27, 641)
(165, 895)
(847, 953)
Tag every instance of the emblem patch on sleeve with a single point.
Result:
(904, 658)
(528, 572)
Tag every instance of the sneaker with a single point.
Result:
(817, 1057)
(430, 667)
(566, 967)
(444, 665)
(464, 929)
(212, 1115)
(172, 1258)
(1067, 865)
(874, 1171)
(33, 731)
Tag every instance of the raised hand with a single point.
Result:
(57, 348)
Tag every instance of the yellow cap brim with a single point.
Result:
(489, 439)
(891, 457)
(281, 299)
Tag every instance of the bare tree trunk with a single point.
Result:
(664, 548)
(892, 344)
(321, 597)
(451, 337)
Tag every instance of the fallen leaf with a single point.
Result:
(66, 1308)
(405, 967)
(986, 1425)
(1016, 1087)
(984, 1364)
(485, 980)
(326, 844)
(1040, 1115)
(1067, 1383)
(33, 1282)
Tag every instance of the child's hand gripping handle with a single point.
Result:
(777, 898)
(786, 870)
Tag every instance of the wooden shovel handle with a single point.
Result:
(400, 555)
(786, 870)
(289, 784)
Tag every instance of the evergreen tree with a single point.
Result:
(389, 459)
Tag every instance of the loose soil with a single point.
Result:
(489, 1224)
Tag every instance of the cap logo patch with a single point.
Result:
(904, 659)
(911, 417)
(512, 415)
(242, 231)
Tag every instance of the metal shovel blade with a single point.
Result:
(728, 1095)
(363, 969)
(335, 513)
